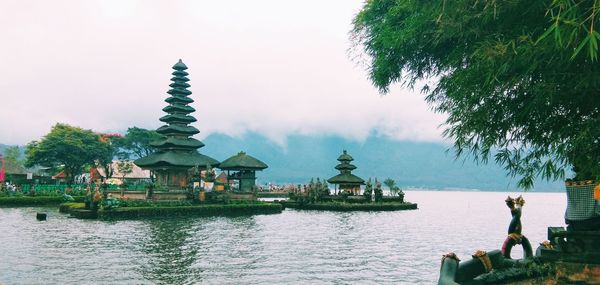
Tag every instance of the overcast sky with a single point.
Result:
(268, 66)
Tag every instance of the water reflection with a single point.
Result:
(294, 247)
(169, 251)
(236, 248)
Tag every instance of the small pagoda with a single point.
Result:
(177, 151)
(244, 167)
(346, 180)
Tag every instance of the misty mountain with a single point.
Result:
(411, 164)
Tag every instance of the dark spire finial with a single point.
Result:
(180, 65)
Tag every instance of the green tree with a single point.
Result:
(116, 149)
(68, 147)
(324, 189)
(137, 142)
(13, 159)
(391, 184)
(510, 75)
(368, 193)
(125, 167)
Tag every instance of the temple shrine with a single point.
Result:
(244, 167)
(346, 180)
(177, 152)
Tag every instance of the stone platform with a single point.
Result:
(571, 246)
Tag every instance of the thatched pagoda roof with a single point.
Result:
(345, 166)
(345, 157)
(346, 178)
(242, 161)
(177, 142)
(176, 159)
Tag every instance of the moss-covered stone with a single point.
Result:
(83, 214)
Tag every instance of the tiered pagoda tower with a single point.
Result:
(346, 180)
(177, 152)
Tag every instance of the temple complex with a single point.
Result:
(177, 152)
(346, 180)
(244, 167)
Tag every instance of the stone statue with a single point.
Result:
(515, 205)
(515, 229)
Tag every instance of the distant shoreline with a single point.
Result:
(453, 189)
(479, 190)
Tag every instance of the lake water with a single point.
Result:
(294, 247)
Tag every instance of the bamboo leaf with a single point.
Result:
(557, 36)
(546, 33)
(593, 47)
(580, 46)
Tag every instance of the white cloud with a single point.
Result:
(274, 67)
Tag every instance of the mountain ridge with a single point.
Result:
(420, 165)
(411, 164)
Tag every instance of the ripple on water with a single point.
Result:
(294, 247)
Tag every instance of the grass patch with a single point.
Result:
(66, 207)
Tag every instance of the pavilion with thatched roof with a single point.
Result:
(177, 151)
(346, 180)
(244, 167)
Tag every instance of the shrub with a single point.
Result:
(356, 199)
(144, 203)
(30, 201)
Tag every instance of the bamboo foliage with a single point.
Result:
(518, 79)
